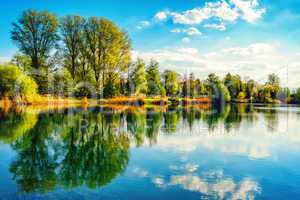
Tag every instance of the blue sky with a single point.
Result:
(242, 36)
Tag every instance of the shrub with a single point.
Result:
(14, 83)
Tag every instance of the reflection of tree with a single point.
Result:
(171, 119)
(92, 147)
(271, 118)
(89, 150)
(136, 125)
(34, 168)
(154, 120)
(15, 124)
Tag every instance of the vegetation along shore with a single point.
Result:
(75, 59)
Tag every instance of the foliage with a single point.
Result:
(62, 83)
(72, 33)
(155, 86)
(171, 83)
(35, 33)
(14, 83)
(139, 78)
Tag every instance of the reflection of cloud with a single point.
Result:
(140, 172)
(190, 168)
(253, 140)
(223, 188)
(159, 182)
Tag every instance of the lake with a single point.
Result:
(233, 152)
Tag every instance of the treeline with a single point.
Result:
(91, 57)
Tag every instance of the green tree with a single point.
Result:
(22, 61)
(171, 82)
(35, 33)
(13, 82)
(234, 84)
(155, 86)
(139, 78)
(109, 47)
(72, 33)
(274, 82)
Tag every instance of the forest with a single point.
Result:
(78, 57)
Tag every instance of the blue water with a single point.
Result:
(236, 152)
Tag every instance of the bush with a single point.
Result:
(14, 83)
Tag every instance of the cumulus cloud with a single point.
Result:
(220, 186)
(192, 31)
(186, 40)
(223, 11)
(249, 9)
(220, 26)
(143, 24)
(161, 16)
(245, 60)
(256, 49)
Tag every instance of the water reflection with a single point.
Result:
(91, 147)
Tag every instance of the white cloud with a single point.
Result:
(221, 10)
(247, 60)
(143, 24)
(186, 39)
(257, 49)
(220, 26)
(249, 9)
(192, 31)
(191, 51)
(160, 16)
(224, 11)
(222, 187)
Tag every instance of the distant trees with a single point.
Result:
(139, 78)
(171, 83)
(155, 86)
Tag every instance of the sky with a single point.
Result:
(250, 37)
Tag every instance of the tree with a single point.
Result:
(22, 61)
(109, 47)
(234, 84)
(35, 34)
(250, 88)
(139, 77)
(153, 78)
(171, 82)
(13, 83)
(274, 82)
(72, 34)
(218, 91)
(284, 94)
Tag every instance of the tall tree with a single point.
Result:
(274, 82)
(109, 49)
(72, 34)
(35, 33)
(171, 82)
(155, 86)
(139, 78)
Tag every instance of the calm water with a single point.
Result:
(238, 152)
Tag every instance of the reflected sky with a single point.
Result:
(234, 152)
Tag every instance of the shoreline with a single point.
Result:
(125, 101)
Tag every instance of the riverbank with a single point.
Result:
(118, 101)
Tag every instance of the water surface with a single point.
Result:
(235, 152)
